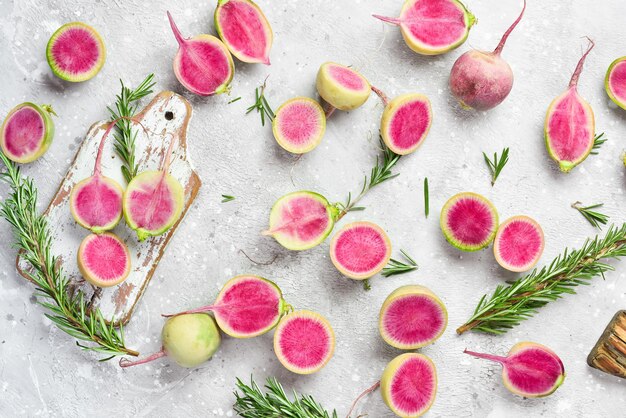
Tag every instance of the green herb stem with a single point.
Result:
(595, 218)
(497, 164)
(261, 105)
(395, 267)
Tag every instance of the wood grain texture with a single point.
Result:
(166, 118)
(609, 353)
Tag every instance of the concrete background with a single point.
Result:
(42, 373)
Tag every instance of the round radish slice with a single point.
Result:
(409, 385)
(433, 27)
(360, 250)
(202, 64)
(412, 317)
(153, 202)
(104, 260)
(518, 244)
(245, 30)
(96, 203)
(76, 52)
(530, 370)
(615, 82)
(304, 342)
(301, 220)
(405, 123)
(341, 86)
(469, 221)
(299, 125)
(27, 132)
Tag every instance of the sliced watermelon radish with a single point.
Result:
(189, 340)
(299, 125)
(342, 87)
(247, 306)
(433, 27)
(412, 317)
(360, 250)
(203, 64)
(518, 244)
(409, 385)
(301, 220)
(96, 202)
(469, 221)
(76, 52)
(405, 123)
(570, 125)
(304, 342)
(530, 370)
(245, 30)
(27, 132)
(104, 260)
(615, 82)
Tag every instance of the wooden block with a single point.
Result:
(609, 353)
(166, 117)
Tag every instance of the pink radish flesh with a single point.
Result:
(519, 244)
(409, 124)
(303, 218)
(298, 122)
(245, 30)
(346, 77)
(203, 64)
(105, 257)
(469, 221)
(529, 370)
(412, 386)
(414, 319)
(75, 51)
(617, 82)
(360, 249)
(97, 203)
(152, 204)
(24, 132)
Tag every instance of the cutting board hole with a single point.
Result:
(169, 115)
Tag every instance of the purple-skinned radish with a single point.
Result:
(299, 125)
(75, 52)
(615, 82)
(245, 30)
(247, 306)
(570, 126)
(518, 244)
(189, 340)
(530, 370)
(482, 80)
(433, 27)
(304, 342)
(469, 221)
(27, 132)
(104, 260)
(203, 64)
(153, 200)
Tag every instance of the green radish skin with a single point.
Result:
(76, 65)
(45, 111)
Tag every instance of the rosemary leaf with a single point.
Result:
(261, 105)
(235, 100)
(227, 198)
(426, 198)
(598, 140)
(595, 218)
(497, 164)
(395, 267)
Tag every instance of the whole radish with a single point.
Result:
(482, 80)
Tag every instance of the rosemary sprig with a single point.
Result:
(68, 310)
(598, 140)
(497, 164)
(395, 267)
(274, 403)
(236, 99)
(522, 298)
(426, 198)
(380, 173)
(126, 107)
(227, 198)
(595, 218)
(261, 105)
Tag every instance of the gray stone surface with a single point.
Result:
(42, 373)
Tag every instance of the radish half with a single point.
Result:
(433, 27)
(615, 82)
(247, 306)
(530, 370)
(104, 260)
(409, 385)
(301, 220)
(360, 250)
(202, 64)
(412, 317)
(299, 125)
(304, 342)
(76, 52)
(342, 87)
(27, 132)
(518, 244)
(405, 123)
(570, 125)
(469, 221)
(245, 30)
